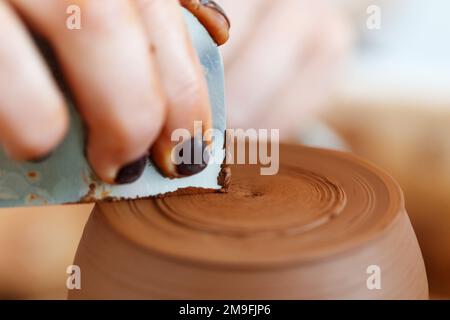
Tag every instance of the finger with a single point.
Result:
(183, 81)
(246, 16)
(110, 69)
(212, 16)
(309, 91)
(33, 118)
(281, 41)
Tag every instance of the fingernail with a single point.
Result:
(131, 172)
(213, 5)
(212, 17)
(41, 159)
(197, 163)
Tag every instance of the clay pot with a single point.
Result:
(317, 230)
(411, 142)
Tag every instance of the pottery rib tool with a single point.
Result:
(317, 230)
(66, 177)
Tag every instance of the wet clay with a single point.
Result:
(314, 231)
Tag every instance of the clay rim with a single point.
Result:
(332, 251)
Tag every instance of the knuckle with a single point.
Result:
(147, 4)
(189, 94)
(105, 16)
(128, 134)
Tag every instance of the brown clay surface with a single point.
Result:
(309, 232)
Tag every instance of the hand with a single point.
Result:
(281, 61)
(131, 68)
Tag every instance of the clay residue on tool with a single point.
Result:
(35, 198)
(33, 176)
(224, 178)
(90, 195)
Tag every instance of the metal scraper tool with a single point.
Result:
(66, 177)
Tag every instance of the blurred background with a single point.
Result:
(327, 75)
